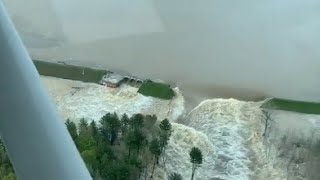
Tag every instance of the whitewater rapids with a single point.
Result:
(76, 100)
(228, 131)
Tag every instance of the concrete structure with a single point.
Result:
(112, 80)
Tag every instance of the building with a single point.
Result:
(112, 80)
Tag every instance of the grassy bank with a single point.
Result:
(69, 71)
(295, 106)
(158, 90)
(78, 73)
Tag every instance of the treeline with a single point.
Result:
(119, 148)
(126, 148)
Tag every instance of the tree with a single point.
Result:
(137, 121)
(105, 155)
(165, 125)
(110, 127)
(195, 159)
(85, 142)
(135, 166)
(117, 170)
(174, 176)
(125, 120)
(267, 121)
(147, 158)
(139, 139)
(94, 130)
(72, 128)
(90, 158)
(165, 133)
(135, 140)
(155, 151)
(83, 126)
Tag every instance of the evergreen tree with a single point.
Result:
(175, 176)
(72, 128)
(105, 161)
(135, 166)
(147, 159)
(117, 170)
(83, 126)
(94, 130)
(125, 120)
(110, 127)
(129, 141)
(165, 125)
(90, 158)
(195, 159)
(155, 150)
(165, 133)
(135, 140)
(85, 140)
(137, 121)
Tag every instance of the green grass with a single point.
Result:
(69, 71)
(158, 90)
(290, 105)
(65, 71)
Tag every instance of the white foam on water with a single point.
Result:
(229, 125)
(182, 140)
(75, 100)
(228, 131)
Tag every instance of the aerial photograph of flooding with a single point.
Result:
(172, 90)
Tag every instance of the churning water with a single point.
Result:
(208, 48)
(223, 129)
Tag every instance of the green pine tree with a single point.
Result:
(165, 133)
(137, 121)
(125, 120)
(110, 127)
(83, 126)
(174, 176)
(195, 159)
(155, 150)
(72, 128)
(93, 129)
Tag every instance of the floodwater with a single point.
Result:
(209, 49)
(228, 131)
(242, 49)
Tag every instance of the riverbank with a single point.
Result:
(291, 105)
(164, 91)
(91, 75)
(66, 71)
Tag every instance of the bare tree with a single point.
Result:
(267, 118)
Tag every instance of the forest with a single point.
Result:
(119, 148)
